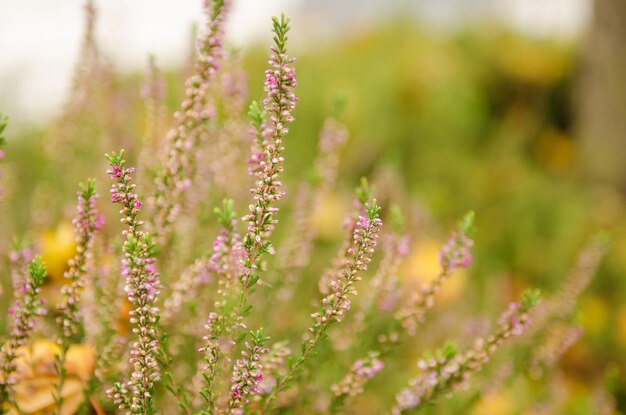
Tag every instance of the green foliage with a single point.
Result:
(280, 27)
(226, 214)
(37, 271)
(4, 121)
(530, 299)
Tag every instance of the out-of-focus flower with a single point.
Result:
(57, 247)
(422, 267)
(500, 403)
(36, 377)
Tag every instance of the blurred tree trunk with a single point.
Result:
(602, 94)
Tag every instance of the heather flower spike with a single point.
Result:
(277, 107)
(142, 289)
(334, 306)
(449, 371)
(247, 373)
(354, 381)
(454, 254)
(189, 130)
(23, 312)
(70, 322)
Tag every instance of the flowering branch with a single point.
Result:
(247, 374)
(19, 258)
(142, 288)
(448, 371)
(70, 322)
(455, 254)
(297, 248)
(280, 80)
(353, 383)
(23, 312)
(181, 141)
(336, 303)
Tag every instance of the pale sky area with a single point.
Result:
(39, 39)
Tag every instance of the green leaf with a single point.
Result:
(466, 225)
(530, 298)
(37, 271)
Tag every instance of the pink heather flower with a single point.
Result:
(268, 158)
(355, 259)
(247, 373)
(189, 129)
(142, 286)
(449, 372)
(23, 313)
(360, 373)
(19, 260)
(87, 221)
(456, 252)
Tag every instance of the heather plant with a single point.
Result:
(192, 308)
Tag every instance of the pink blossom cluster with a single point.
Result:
(24, 311)
(19, 259)
(222, 265)
(450, 372)
(213, 352)
(456, 252)
(247, 374)
(359, 255)
(361, 371)
(142, 288)
(87, 221)
(190, 125)
(280, 81)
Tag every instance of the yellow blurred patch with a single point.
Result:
(329, 215)
(555, 150)
(594, 314)
(422, 266)
(57, 248)
(531, 63)
(500, 403)
(36, 378)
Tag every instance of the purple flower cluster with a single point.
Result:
(266, 162)
(213, 352)
(23, 312)
(19, 258)
(223, 264)
(190, 125)
(361, 371)
(449, 371)
(86, 223)
(142, 288)
(359, 255)
(456, 252)
(247, 373)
